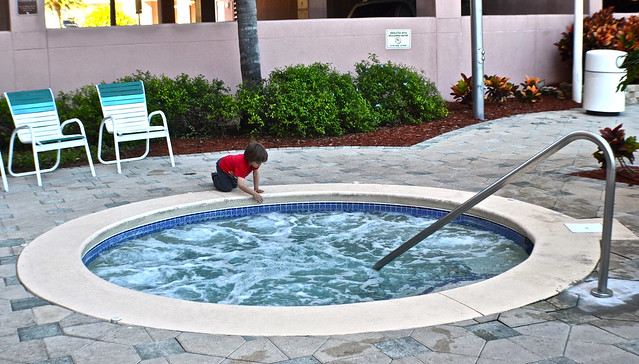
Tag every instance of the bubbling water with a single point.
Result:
(304, 259)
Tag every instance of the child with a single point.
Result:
(233, 169)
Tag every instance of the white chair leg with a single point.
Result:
(168, 143)
(36, 171)
(86, 147)
(117, 155)
(100, 146)
(37, 167)
(148, 149)
(10, 162)
(5, 183)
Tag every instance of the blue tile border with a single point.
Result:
(298, 207)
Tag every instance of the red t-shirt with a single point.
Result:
(236, 165)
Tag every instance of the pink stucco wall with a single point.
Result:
(64, 59)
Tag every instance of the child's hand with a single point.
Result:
(258, 198)
(259, 191)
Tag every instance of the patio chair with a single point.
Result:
(37, 123)
(126, 117)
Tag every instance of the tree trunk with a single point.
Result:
(58, 10)
(249, 43)
(114, 21)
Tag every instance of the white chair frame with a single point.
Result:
(127, 119)
(35, 116)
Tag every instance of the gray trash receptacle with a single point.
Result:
(601, 78)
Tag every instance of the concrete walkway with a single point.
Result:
(572, 327)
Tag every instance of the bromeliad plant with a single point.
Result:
(498, 89)
(530, 90)
(463, 90)
(621, 146)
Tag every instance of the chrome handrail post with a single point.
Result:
(606, 235)
(602, 290)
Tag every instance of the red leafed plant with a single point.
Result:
(498, 89)
(463, 90)
(530, 90)
(602, 31)
(621, 146)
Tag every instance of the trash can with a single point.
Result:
(601, 78)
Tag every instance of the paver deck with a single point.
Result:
(572, 327)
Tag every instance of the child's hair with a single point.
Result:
(255, 152)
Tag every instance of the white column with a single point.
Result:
(578, 50)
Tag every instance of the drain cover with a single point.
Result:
(584, 228)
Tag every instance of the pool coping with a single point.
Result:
(51, 267)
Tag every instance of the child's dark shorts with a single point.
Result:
(222, 181)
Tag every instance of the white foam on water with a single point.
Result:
(303, 259)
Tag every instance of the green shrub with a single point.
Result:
(631, 64)
(101, 16)
(399, 94)
(302, 102)
(194, 107)
(84, 104)
(6, 124)
(252, 105)
(296, 101)
(305, 101)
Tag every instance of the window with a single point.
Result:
(4, 15)
(519, 7)
(623, 6)
(96, 13)
(382, 8)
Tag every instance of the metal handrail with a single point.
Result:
(602, 289)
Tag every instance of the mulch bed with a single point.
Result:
(631, 179)
(460, 116)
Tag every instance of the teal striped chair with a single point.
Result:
(37, 123)
(126, 117)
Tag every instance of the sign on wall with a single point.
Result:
(398, 38)
(27, 7)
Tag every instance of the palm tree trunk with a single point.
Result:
(58, 10)
(248, 41)
(114, 21)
